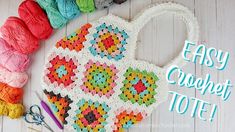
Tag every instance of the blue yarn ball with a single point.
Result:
(68, 8)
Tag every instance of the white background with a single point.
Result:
(160, 40)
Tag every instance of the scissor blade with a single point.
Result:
(47, 126)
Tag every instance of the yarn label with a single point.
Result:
(210, 57)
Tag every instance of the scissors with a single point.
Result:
(34, 116)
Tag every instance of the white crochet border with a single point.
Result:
(132, 29)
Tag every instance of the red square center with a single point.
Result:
(108, 42)
(139, 87)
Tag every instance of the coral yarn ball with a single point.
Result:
(35, 18)
(17, 35)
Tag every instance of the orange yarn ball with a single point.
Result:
(10, 94)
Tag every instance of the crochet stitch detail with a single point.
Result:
(126, 117)
(59, 105)
(109, 42)
(90, 116)
(61, 71)
(75, 40)
(99, 79)
(139, 87)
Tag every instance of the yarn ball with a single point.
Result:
(68, 8)
(86, 5)
(53, 14)
(102, 4)
(10, 94)
(35, 18)
(12, 60)
(119, 1)
(14, 79)
(17, 34)
(13, 111)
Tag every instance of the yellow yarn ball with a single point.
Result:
(11, 110)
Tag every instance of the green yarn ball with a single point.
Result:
(86, 5)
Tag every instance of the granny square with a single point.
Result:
(108, 41)
(139, 87)
(99, 79)
(61, 71)
(90, 116)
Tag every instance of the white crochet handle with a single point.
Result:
(155, 10)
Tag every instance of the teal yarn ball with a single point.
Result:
(86, 6)
(53, 14)
(68, 8)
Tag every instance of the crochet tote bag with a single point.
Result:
(93, 81)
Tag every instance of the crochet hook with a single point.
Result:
(48, 110)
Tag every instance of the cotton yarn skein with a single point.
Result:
(86, 5)
(68, 8)
(17, 34)
(11, 59)
(11, 110)
(102, 4)
(10, 94)
(35, 18)
(53, 14)
(14, 79)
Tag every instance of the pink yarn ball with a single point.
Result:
(17, 35)
(12, 60)
(14, 79)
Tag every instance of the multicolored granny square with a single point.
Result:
(99, 78)
(125, 118)
(90, 116)
(75, 41)
(139, 87)
(60, 105)
(62, 71)
(109, 42)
